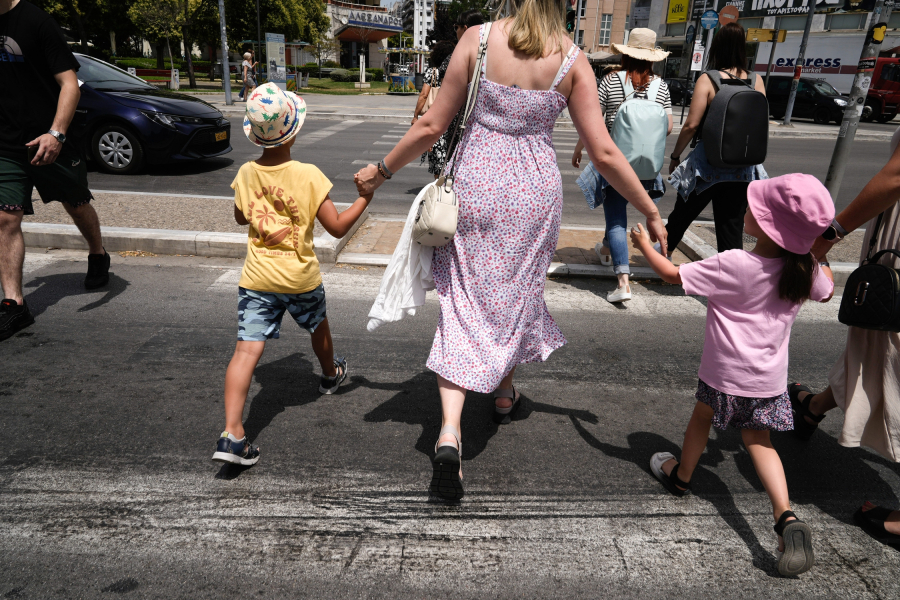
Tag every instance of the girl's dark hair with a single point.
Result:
(470, 18)
(440, 52)
(729, 49)
(640, 71)
(797, 275)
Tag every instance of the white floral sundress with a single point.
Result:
(490, 277)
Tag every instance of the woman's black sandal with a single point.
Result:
(797, 556)
(445, 480)
(802, 428)
(872, 522)
(504, 416)
(670, 481)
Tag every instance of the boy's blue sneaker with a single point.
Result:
(329, 385)
(239, 452)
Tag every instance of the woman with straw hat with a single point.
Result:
(638, 56)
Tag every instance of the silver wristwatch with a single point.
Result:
(61, 137)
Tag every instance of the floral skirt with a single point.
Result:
(740, 412)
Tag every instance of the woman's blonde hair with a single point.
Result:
(247, 55)
(536, 22)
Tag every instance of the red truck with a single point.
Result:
(884, 93)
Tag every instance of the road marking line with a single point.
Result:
(227, 281)
(396, 137)
(168, 194)
(321, 134)
(385, 144)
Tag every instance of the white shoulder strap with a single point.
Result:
(654, 89)
(484, 32)
(562, 67)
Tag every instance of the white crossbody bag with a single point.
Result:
(438, 211)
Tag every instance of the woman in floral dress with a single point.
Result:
(490, 277)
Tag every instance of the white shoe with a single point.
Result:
(619, 295)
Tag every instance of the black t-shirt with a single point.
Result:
(32, 51)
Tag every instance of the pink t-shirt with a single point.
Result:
(748, 327)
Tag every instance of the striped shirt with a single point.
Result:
(612, 94)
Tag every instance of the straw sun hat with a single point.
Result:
(641, 45)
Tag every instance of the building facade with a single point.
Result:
(360, 28)
(418, 19)
(601, 23)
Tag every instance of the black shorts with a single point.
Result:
(63, 181)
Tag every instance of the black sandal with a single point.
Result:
(671, 481)
(872, 522)
(504, 416)
(797, 556)
(802, 428)
(445, 480)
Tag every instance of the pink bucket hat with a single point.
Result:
(273, 116)
(792, 209)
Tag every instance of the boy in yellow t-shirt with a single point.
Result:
(279, 199)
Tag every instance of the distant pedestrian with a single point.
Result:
(439, 60)
(36, 108)
(279, 199)
(752, 301)
(865, 380)
(698, 182)
(248, 71)
(490, 277)
(637, 76)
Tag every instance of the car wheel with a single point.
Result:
(868, 113)
(117, 150)
(886, 118)
(822, 116)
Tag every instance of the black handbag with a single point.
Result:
(872, 294)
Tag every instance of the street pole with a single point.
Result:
(578, 4)
(798, 68)
(226, 70)
(771, 58)
(853, 110)
(259, 37)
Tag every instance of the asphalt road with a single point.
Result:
(112, 402)
(340, 148)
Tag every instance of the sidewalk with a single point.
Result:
(399, 109)
(159, 224)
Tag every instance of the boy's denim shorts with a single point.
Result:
(260, 313)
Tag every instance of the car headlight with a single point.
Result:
(840, 102)
(170, 120)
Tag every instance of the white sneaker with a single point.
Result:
(619, 295)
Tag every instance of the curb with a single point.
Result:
(172, 241)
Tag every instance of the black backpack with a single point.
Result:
(735, 128)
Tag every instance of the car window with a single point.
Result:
(103, 76)
(802, 87)
(824, 88)
(782, 85)
(891, 72)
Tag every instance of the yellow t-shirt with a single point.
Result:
(281, 204)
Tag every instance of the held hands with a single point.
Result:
(640, 239)
(367, 180)
(48, 148)
(657, 233)
(576, 159)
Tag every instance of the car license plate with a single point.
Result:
(221, 136)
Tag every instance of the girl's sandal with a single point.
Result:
(445, 480)
(802, 428)
(872, 522)
(797, 556)
(671, 481)
(504, 416)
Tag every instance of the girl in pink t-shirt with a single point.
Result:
(753, 299)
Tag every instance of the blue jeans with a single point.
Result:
(616, 239)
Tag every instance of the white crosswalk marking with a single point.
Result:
(396, 137)
(558, 296)
(317, 136)
(35, 261)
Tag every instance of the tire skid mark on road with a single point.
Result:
(558, 296)
(362, 525)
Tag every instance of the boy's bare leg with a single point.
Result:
(237, 384)
(324, 348)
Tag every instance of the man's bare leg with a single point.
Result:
(88, 223)
(12, 254)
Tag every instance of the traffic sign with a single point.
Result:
(765, 35)
(689, 36)
(709, 19)
(728, 14)
(697, 58)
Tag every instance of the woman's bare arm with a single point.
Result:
(703, 92)
(584, 107)
(420, 103)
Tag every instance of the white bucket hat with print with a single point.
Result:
(273, 116)
(641, 45)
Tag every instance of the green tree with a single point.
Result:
(296, 19)
(158, 19)
(93, 22)
(323, 47)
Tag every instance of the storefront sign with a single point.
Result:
(784, 8)
(377, 20)
(678, 10)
